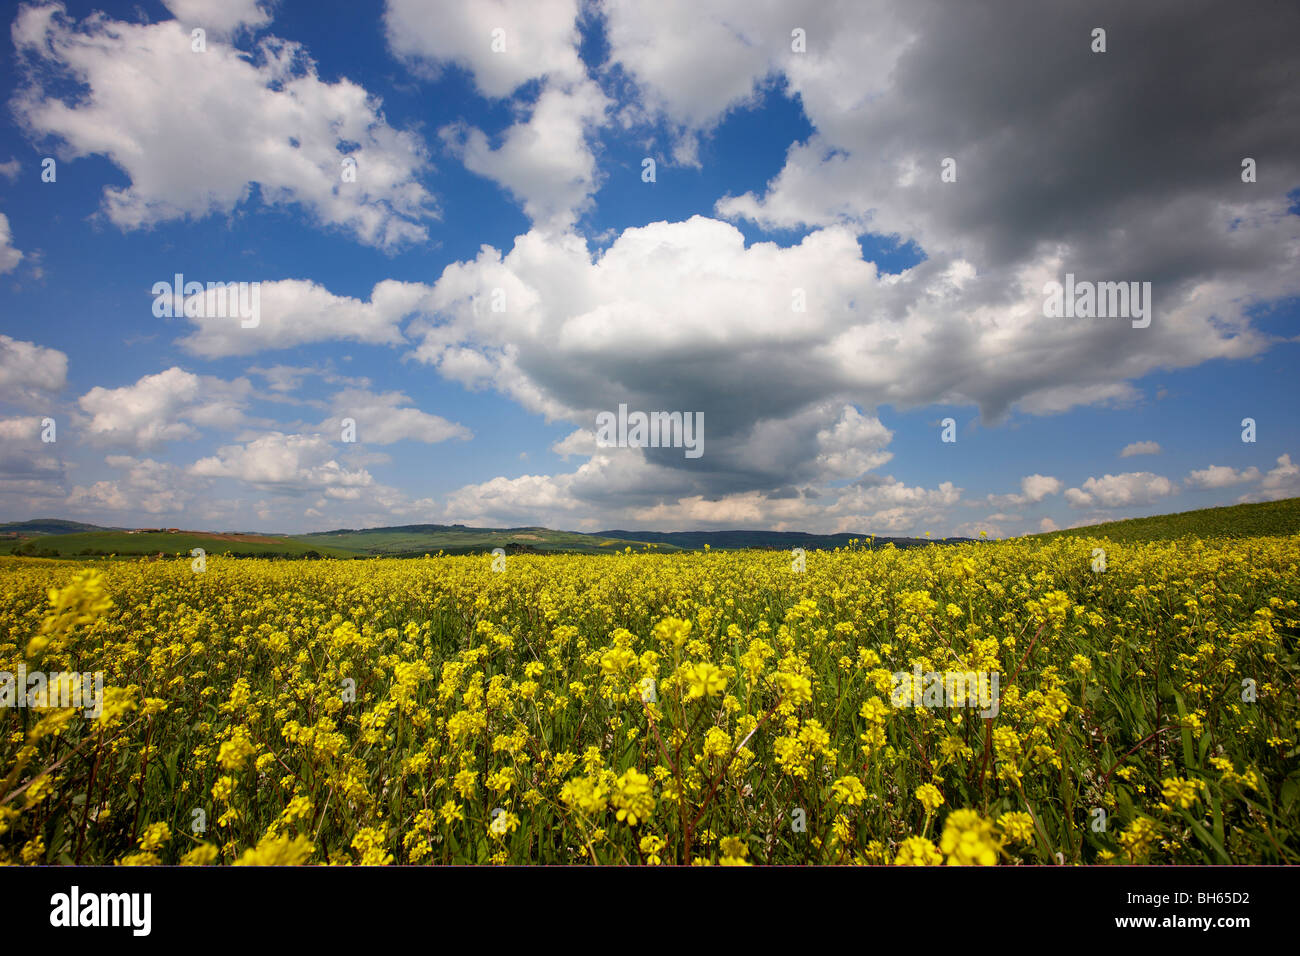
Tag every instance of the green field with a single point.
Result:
(125, 544)
(1234, 521)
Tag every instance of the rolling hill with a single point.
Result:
(1232, 521)
(49, 526)
(99, 543)
(459, 539)
(783, 540)
(53, 538)
(418, 539)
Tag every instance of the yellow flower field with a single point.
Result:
(650, 709)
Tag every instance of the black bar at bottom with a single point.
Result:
(302, 905)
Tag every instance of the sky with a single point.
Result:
(464, 229)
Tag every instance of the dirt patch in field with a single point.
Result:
(251, 538)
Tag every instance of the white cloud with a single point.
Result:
(745, 510)
(298, 311)
(893, 507)
(98, 497)
(283, 380)
(172, 405)
(29, 472)
(30, 373)
(694, 64)
(285, 466)
(19, 429)
(239, 120)
(1220, 476)
(1281, 481)
(219, 16)
(382, 419)
(540, 39)
(1113, 491)
(545, 161)
(511, 500)
(1140, 448)
(9, 256)
(285, 463)
(854, 444)
(149, 486)
(1038, 487)
(1051, 401)
(1033, 489)
(579, 442)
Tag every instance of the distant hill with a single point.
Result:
(68, 539)
(1232, 521)
(460, 539)
(418, 539)
(48, 526)
(86, 544)
(783, 540)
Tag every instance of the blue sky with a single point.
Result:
(519, 168)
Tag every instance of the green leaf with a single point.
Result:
(1186, 732)
(1205, 837)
